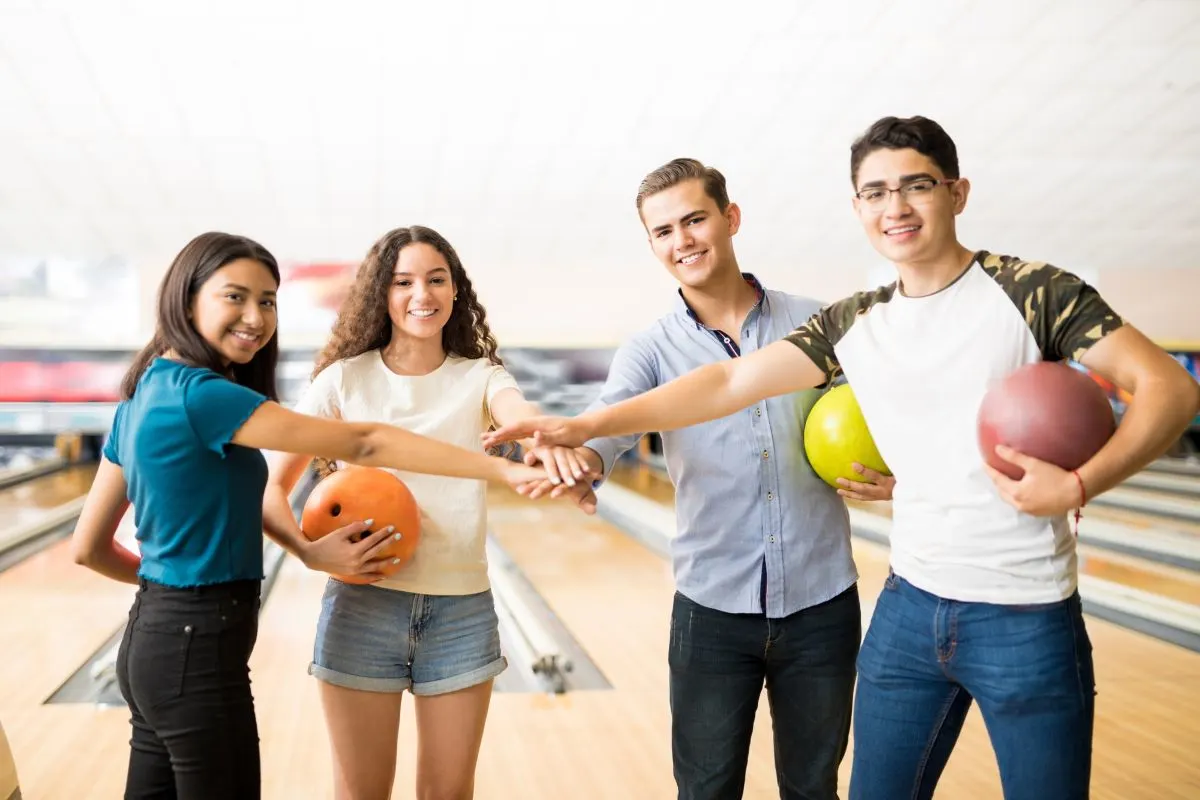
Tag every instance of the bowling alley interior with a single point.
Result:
(521, 133)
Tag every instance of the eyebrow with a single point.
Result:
(917, 176)
(245, 289)
(684, 218)
(432, 271)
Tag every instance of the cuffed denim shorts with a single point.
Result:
(383, 640)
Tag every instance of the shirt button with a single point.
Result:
(765, 454)
(758, 412)
(772, 540)
(187, 628)
(770, 496)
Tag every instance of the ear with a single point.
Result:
(733, 215)
(959, 190)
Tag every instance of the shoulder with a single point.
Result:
(202, 390)
(651, 338)
(354, 366)
(799, 307)
(838, 317)
(1018, 275)
(1037, 288)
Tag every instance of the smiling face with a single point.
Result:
(234, 310)
(421, 297)
(689, 234)
(915, 224)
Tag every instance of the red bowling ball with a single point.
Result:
(1046, 410)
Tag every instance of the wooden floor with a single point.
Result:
(614, 595)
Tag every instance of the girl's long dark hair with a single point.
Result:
(174, 331)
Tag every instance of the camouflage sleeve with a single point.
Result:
(1065, 313)
(818, 337)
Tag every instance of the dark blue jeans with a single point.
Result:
(719, 663)
(183, 668)
(925, 659)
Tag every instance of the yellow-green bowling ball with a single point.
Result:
(836, 437)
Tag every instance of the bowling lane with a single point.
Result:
(67, 611)
(29, 500)
(1140, 520)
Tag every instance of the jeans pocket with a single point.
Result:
(891, 582)
(158, 662)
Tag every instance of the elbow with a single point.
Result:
(82, 554)
(365, 443)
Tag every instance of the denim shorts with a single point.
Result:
(383, 640)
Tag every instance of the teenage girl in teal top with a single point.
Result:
(199, 402)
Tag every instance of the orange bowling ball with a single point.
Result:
(356, 494)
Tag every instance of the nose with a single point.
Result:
(897, 205)
(252, 315)
(683, 239)
(421, 290)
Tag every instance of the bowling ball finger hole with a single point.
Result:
(336, 510)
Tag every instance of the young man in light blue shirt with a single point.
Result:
(765, 578)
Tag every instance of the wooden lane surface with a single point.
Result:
(1139, 521)
(29, 500)
(56, 614)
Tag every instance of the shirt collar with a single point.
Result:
(681, 306)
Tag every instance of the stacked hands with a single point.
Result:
(1043, 490)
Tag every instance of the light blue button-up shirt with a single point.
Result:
(747, 503)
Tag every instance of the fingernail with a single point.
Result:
(397, 537)
(395, 561)
(389, 529)
(368, 522)
(555, 481)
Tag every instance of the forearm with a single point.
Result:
(279, 523)
(114, 562)
(699, 396)
(1155, 419)
(389, 446)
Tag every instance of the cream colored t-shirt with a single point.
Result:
(450, 404)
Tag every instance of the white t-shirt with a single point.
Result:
(919, 367)
(450, 404)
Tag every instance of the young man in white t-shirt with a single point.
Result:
(982, 603)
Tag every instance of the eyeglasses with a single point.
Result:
(918, 192)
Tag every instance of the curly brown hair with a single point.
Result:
(363, 323)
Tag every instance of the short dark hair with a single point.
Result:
(194, 265)
(897, 133)
(679, 170)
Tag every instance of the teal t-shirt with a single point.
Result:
(197, 498)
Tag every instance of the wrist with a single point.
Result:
(591, 459)
(497, 469)
(1077, 488)
(593, 423)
